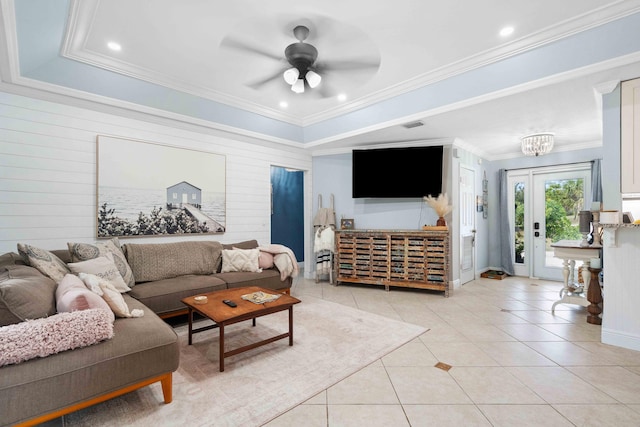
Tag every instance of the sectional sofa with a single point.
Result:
(122, 354)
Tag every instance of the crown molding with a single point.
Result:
(606, 87)
(545, 36)
(79, 99)
(73, 48)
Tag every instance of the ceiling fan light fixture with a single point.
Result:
(298, 86)
(291, 75)
(313, 78)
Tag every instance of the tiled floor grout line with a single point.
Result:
(543, 339)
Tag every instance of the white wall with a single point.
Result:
(48, 173)
(620, 318)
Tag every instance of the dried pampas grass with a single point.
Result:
(440, 204)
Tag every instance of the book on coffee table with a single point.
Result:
(260, 297)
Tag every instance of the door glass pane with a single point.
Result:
(564, 199)
(518, 233)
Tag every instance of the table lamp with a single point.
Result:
(585, 227)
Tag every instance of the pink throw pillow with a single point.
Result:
(73, 295)
(265, 260)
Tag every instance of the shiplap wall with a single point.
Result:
(48, 173)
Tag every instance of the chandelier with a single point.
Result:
(537, 144)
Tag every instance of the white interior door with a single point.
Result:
(467, 225)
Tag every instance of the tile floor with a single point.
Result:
(512, 362)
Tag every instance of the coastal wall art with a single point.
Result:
(151, 189)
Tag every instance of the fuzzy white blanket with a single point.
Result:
(283, 258)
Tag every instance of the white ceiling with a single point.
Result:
(185, 46)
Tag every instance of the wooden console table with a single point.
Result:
(404, 258)
(570, 251)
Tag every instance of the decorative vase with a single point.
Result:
(441, 222)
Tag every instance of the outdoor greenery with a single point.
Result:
(564, 200)
(159, 221)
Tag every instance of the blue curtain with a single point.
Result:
(506, 251)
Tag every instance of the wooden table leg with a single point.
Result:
(221, 326)
(291, 325)
(190, 324)
(594, 296)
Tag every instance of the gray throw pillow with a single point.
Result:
(46, 262)
(25, 294)
(87, 251)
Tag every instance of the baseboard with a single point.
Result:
(621, 339)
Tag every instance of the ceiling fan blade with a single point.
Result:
(258, 83)
(325, 91)
(232, 43)
(346, 65)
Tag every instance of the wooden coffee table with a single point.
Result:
(224, 315)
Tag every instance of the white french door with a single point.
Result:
(545, 202)
(467, 225)
(519, 218)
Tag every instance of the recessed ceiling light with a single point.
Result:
(114, 46)
(342, 97)
(506, 31)
(283, 104)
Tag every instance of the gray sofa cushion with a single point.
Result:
(269, 279)
(11, 258)
(25, 293)
(247, 244)
(164, 296)
(141, 348)
(158, 261)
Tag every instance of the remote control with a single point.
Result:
(229, 303)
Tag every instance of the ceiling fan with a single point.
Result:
(301, 56)
(303, 69)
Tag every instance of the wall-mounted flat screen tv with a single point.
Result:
(397, 172)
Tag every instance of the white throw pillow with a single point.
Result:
(240, 260)
(110, 294)
(104, 267)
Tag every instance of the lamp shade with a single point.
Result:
(291, 75)
(313, 79)
(585, 221)
(298, 86)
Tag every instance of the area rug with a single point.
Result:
(331, 342)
